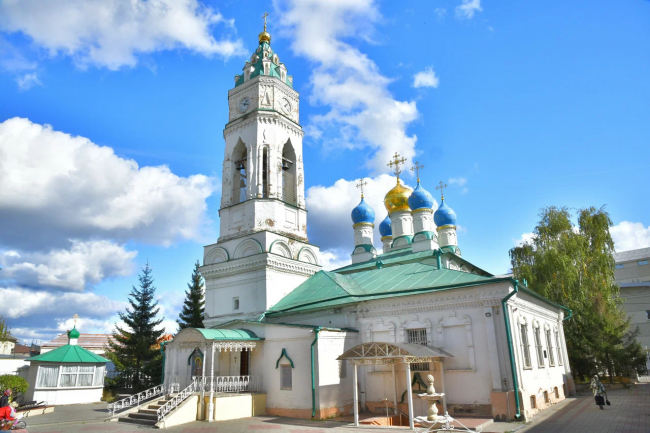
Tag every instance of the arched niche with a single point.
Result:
(289, 168)
(281, 248)
(239, 169)
(216, 255)
(248, 248)
(307, 255)
(455, 336)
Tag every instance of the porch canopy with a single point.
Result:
(390, 354)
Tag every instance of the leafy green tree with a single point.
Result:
(574, 265)
(4, 330)
(16, 383)
(134, 350)
(193, 307)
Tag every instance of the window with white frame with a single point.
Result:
(418, 336)
(285, 377)
(525, 347)
(558, 347)
(538, 345)
(549, 347)
(48, 376)
(70, 376)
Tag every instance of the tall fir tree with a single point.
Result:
(573, 265)
(134, 348)
(192, 314)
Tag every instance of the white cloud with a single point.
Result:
(467, 9)
(112, 33)
(630, 236)
(426, 78)
(335, 258)
(79, 190)
(330, 226)
(526, 238)
(27, 81)
(441, 13)
(84, 264)
(362, 112)
(460, 181)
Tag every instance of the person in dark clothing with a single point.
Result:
(4, 400)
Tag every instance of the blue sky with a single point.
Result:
(515, 105)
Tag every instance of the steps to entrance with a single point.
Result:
(147, 414)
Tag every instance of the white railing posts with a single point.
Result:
(177, 400)
(135, 400)
(226, 384)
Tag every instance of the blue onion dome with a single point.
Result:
(363, 213)
(420, 198)
(384, 227)
(444, 216)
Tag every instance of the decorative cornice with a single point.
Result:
(361, 224)
(266, 118)
(258, 262)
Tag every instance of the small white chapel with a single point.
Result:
(318, 344)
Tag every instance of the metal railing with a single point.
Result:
(391, 405)
(226, 384)
(177, 399)
(135, 400)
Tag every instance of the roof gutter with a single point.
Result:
(313, 372)
(511, 353)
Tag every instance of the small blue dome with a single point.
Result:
(384, 228)
(444, 216)
(363, 213)
(420, 198)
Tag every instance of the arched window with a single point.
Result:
(239, 173)
(289, 174)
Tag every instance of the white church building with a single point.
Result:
(320, 344)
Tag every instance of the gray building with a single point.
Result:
(632, 274)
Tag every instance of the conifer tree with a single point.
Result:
(193, 307)
(134, 349)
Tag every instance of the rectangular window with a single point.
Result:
(68, 376)
(549, 346)
(285, 377)
(418, 336)
(525, 347)
(620, 266)
(235, 303)
(86, 375)
(47, 376)
(538, 345)
(99, 376)
(558, 347)
(643, 262)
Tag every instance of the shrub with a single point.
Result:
(16, 383)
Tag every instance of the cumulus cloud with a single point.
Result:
(468, 8)
(112, 33)
(84, 264)
(426, 78)
(361, 110)
(335, 258)
(526, 238)
(57, 187)
(460, 182)
(27, 81)
(630, 236)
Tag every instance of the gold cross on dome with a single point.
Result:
(441, 186)
(416, 168)
(266, 14)
(361, 184)
(395, 164)
(75, 317)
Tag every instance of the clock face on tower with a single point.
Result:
(244, 104)
(285, 104)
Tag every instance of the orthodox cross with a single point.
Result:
(417, 167)
(361, 184)
(266, 14)
(395, 164)
(75, 317)
(442, 186)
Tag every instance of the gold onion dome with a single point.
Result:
(265, 36)
(397, 199)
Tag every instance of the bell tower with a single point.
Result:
(263, 217)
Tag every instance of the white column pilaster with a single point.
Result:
(394, 390)
(356, 398)
(409, 395)
(442, 384)
(211, 404)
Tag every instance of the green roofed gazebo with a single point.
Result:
(69, 374)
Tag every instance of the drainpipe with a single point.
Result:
(261, 317)
(570, 314)
(162, 347)
(438, 253)
(510, 349)
(313, 377)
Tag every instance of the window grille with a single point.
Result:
(418, 336)
(549, 345)
(288, 187)
(538, 345)
(558, 347)
(525, 349)
(285, 377)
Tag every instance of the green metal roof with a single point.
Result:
(228, 334)
(69, 354)
(327, 289)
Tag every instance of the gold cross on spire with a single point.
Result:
(75, 317)
(416, 168)
(266, 14)
(395, 164)
(361, 184)
(442, 186)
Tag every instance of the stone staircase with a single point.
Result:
(148, 413)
